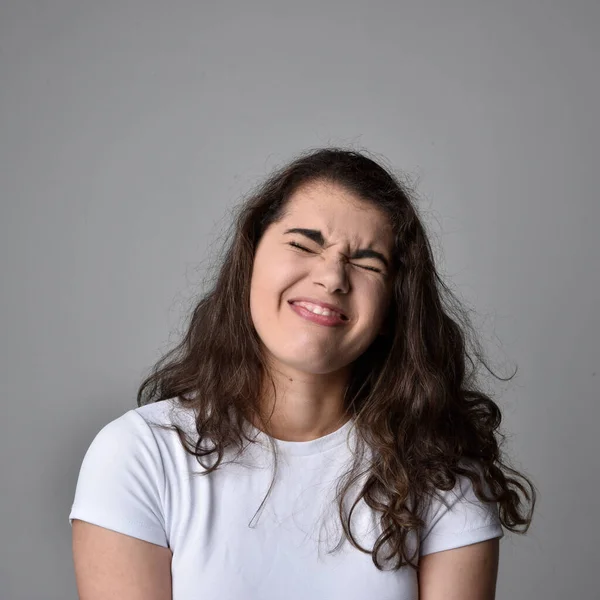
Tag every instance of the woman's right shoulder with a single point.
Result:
(157, 417)
(122, 478)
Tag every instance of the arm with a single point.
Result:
(120, 544)
(465, 573)
(114, 565)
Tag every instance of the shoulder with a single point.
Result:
(457, 517)
(132, 432)
(134, 441)
(123, 479)
(152, 421)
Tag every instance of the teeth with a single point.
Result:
(318, 310)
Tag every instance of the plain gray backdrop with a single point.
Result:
(130, 128)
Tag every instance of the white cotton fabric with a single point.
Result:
(137, 480)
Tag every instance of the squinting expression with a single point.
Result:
(330, 247)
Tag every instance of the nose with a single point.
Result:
(330, 273)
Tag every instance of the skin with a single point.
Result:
(310, 362)
(466, 573)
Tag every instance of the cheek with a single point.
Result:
(273, 274)
(372, 298)
(271, 278)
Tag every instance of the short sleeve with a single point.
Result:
(460, 520)
(121, 481)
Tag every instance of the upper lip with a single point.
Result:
(321, 304)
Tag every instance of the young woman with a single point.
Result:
(317, 433)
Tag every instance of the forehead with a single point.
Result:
(338, 213)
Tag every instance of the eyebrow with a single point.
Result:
(316, 236)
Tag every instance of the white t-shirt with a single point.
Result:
(137, 480)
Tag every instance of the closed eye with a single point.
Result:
(374, 269)
(296, 245)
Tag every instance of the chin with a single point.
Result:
(315, 369)
(317, 365)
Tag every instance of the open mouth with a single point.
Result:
(321, 314)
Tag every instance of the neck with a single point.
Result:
(303, 406)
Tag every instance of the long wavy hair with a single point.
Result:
(413, 393)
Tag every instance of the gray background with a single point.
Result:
(128, 129)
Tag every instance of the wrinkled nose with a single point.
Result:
(330, 273)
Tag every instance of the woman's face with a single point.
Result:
(346, 244)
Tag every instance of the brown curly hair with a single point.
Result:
(415, 403)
